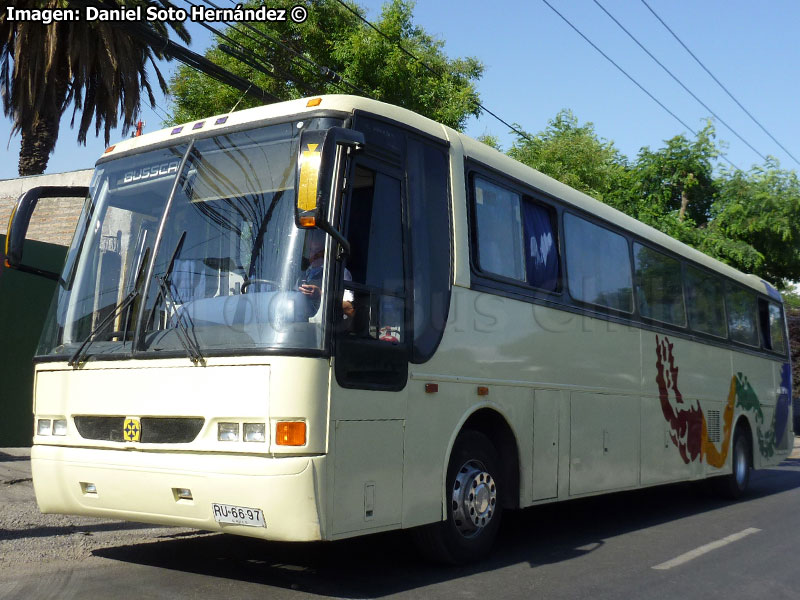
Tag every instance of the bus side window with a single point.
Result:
(771, 321)
(429, 219)
(498, 224)
(741, 308)
(598, 265)
(659, 287)
(705, 302)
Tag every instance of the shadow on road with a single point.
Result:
(5, 457)
(384, 564)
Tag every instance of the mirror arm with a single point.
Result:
(40, 272)
(336, 235)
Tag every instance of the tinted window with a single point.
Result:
(705, 299)
(375, 263)
(598, 264)
(430, 245)
(541, 246)
(772, 328)
(375, 231)
(741, 306)
(659, 290)
(499, 229)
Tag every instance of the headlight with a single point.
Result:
(60, 427)
(44, 427)
(255, 432)
(228, 432)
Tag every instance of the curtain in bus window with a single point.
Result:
(598, 264)
(541, 247)
(499, 226)
(741, 305)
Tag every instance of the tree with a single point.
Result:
(290, 60)
(761, 208)
(573, 154)
(678, 178)
(97, 67)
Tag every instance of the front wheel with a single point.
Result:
(734, 486)
(473, 504)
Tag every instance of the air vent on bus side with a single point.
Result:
(155, 430)
(712, 422)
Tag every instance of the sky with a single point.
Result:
(537, 65)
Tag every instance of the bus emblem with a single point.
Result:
(131, 430)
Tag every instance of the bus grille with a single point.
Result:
(155, 430)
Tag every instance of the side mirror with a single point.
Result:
(20, 219)
(316, 167)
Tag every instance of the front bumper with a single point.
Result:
(140, 486)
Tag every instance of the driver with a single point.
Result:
(312, 278)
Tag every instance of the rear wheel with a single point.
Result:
(734, 486)
(473, 504)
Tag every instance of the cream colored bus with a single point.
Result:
(332, 317)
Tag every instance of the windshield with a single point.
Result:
(198, 237)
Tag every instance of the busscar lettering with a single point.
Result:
(46, 16)
(161, 170)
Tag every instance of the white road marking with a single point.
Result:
(692, 554)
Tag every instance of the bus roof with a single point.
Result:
(472, 149)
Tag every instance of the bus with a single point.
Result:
(332, 317)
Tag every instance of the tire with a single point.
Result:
(734, 485)
(474, 504)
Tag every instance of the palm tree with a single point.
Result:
(99, 68)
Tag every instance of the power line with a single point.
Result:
(247, 57)
(428, 67)
(678, 81)
(764, 129)
(624, 72)
(315, 68)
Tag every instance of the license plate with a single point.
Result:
(238, 515)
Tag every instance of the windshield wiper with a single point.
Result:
(182, 333)
(190, 345)
(80, 354)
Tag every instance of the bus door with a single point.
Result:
(371, 352)
(371, 340)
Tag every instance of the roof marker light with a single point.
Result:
(198, 125)
(220, 121)
(177, 130)
(314, 102)
(109, 149)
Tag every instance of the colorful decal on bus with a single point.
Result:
(688, 427)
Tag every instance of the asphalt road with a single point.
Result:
(668, 542)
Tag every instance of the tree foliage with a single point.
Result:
(573, 154)
(96, 67)
(334, 38)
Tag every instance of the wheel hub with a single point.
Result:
(474, 497)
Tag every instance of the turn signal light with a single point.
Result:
(290, 433)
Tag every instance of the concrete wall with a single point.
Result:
(25, 298)
(54, 220)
